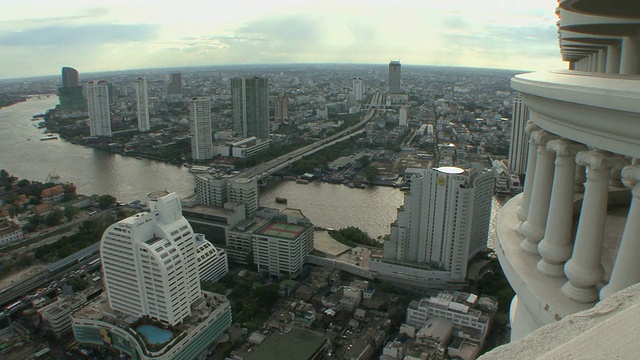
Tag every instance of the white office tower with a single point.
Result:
(394, 78)
(98, 105)
(142, 98)
(358, 88)
(569, 244)
(443, 223)
(149, 262)
(212, 262)
(200, 126)
(519, 140)
(402, 116)
(245, 191)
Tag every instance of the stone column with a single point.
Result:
(584, 270)
(533, 228)
(556, 246)
(630, 56)
(529, 175)
(613, 59)
(581, 177)
(626, 269)
(616, 173)
(602, 60)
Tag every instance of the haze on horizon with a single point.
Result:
(39, 37)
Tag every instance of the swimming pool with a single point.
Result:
(154, 334)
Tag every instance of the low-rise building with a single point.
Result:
(10, 232)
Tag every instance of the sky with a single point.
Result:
(38, 37)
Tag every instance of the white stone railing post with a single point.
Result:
(584, 270)
(532, 155)
(533, 228)
(581, 177)
(556, 246)
(626, 269)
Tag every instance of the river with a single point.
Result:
(127, 178)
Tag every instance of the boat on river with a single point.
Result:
(49, 136)
(281, 200)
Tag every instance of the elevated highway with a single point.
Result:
(265, 169)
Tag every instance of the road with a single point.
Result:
(265, 169)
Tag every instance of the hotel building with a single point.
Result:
(443, 223)
(150, 271)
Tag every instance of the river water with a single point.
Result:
(127, 178)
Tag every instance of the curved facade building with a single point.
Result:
(572, 238)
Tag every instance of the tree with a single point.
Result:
(106, 201)
(267, 295)
(70, 212)
(54, 218)
(23, 183)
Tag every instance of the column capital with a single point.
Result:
(631, 176)
(531, 127)
(564, 147)
(542, 137)
(598, 159)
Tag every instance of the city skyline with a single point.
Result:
(37, 39)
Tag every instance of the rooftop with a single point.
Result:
(282, 229)
(296, 344)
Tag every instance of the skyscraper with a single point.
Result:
(281, 107)
(358, 88)
(443, 223)
(250, 106)
(142, 97)
(99, 112)
(200, 126)
(149, 262)
(394, 78)
(70, 93)
(151, 277)
(175, 85)
(70, 77)
(519, 140)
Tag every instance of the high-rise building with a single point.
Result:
(245, 191)
(142, 97)
(149, 262)
(402, 116)
(70, 77)
(151, 271)
(175, 85)
(281, 108)
(358, 88)
(394, 78)
(519, 140)
(250, 106)
(443, 223)
(200, 127)
(217, 189)
(70, 93)
(99, 111)
(569, 243)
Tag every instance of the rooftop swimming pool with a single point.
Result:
(154, 334)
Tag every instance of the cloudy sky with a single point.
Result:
(38, 37)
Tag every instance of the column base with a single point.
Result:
(579, 294)
(549, 269)
(522, 213)
(529, 247)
